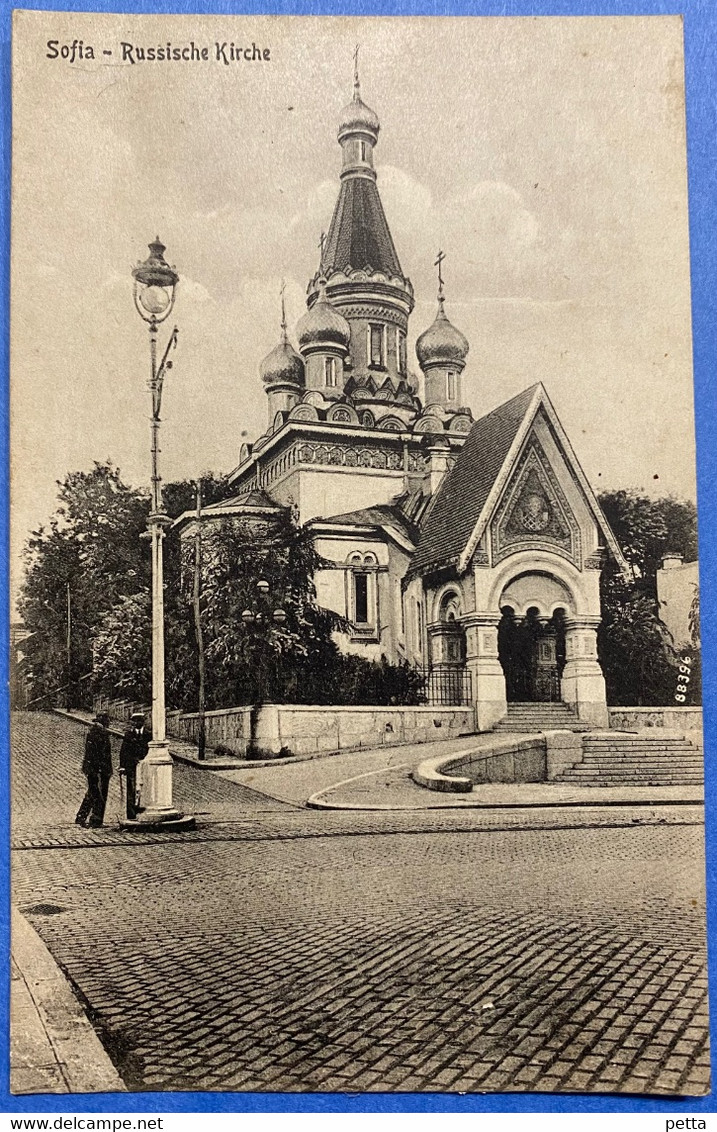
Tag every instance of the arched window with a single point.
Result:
(363, 593)
(361, 598)
(331, 373)
(377, 345)
(451, 386)
(362, 151)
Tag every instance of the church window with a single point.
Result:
(330, 372)
(361, 599)
(400, 351)
(376, 345)
(451, 386)
(362, 151)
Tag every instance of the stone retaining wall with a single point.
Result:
(230, 727)
(669, 718)
(307, 729)
(498, 760)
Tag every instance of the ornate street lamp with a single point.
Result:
(155, 285)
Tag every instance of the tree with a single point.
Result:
(91, 556)
(88, 558)
(637, 654)
(648, 528)
(262, 660)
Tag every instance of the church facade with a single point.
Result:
(470, 548)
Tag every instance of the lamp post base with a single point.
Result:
(158, 814)
(160, 821)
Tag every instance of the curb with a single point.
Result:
(319, 801)
(53, 1046)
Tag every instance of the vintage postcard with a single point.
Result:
(356, 731)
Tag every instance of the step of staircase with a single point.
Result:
(625, 761)
(539, 717)
(637, 764)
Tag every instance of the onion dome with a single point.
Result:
(323, 325)
(441, 343)
(357, 117)
(282, 366)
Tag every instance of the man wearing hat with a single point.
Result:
(97, 768)
(134, 747)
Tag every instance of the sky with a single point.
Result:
(545, 156)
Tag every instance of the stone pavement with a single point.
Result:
(283, 949)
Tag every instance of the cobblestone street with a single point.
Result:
(281, 949)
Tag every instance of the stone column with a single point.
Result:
(583, 684)
(487, 677)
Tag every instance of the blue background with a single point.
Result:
(700, 31)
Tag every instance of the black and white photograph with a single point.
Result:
(356, 725)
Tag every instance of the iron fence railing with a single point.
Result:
(446, 687)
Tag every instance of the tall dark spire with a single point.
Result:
(359, 236)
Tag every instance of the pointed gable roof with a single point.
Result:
(359, 236)
(451, 519)
(467, 497)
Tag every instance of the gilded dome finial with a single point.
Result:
(282, 366)
(357, 117)
(442, 343)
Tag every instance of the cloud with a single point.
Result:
(409, 205)
(496, 214)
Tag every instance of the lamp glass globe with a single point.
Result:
(155, 300)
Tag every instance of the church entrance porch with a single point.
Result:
(533, 640)
(531, 650)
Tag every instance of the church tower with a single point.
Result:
(363, 276)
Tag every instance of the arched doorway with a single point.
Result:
(531, 650)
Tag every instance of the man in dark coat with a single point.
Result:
(134, 747)
(97, 768)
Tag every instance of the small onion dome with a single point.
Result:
(323, 325)
(357, 116)
(441, 343)
(282, 365)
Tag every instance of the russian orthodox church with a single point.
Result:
(469, 548)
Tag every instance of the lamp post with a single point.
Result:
(155, 284)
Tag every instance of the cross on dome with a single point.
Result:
(282, 292)
(439, 265)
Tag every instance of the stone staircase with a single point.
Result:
(634, 760)
(539, 717)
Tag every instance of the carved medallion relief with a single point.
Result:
(534, 513)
